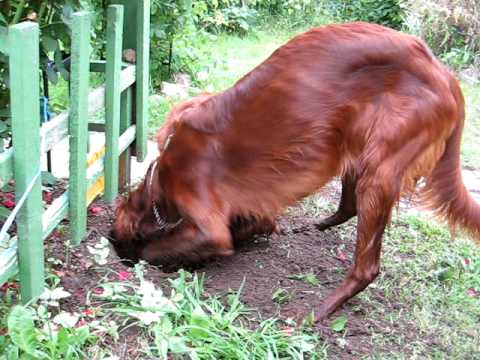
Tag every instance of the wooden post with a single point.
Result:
(142, 84)
(78, 125)
(125, 122)
(25, 104)
(112, 99)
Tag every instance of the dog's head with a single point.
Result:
(143, 216)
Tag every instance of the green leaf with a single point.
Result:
(308, 278)
(50, 44)
(200, 320)
(4, 212)
(3, 127)
(3, 20)
(48, 179)
(339, 324)
(281, 296)
(23, 333)
(52, 75)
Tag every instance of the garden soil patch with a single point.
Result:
(269, 269)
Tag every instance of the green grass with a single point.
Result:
(426, 300)
(186, 324)
(432, 275)
(225, 59)
(471, 135)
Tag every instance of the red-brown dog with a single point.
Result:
(358, 100)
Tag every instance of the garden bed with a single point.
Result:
(278, 277)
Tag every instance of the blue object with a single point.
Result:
(46, 114)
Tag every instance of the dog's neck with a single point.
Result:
(162, 223)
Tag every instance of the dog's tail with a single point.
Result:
(445, 192)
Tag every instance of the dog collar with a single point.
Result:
(162, 223)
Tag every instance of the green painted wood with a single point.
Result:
(56, 130)
(112, 99)
(101, 65)
(6, 167)
(3, 40)
(130, 23)
(126, 139)
(143, 58)
(125, 122)
(55, 213)
(25, 102)
(79, 125)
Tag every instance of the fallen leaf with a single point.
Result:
(89, 312)
(339, 324)
(48, 197)
(96, 209)
(9, 204)
(124, 275)
(473, 293)
(59, 273)
(288, 331)
(81, 323)
(98, 290)
(341, 255)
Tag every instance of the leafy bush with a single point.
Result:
(54, 19)
(229, 16)
(451, 28)
(33, 335)
(385, 12)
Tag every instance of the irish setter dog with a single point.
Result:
(358, 100)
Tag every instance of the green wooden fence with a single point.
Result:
(124, 98)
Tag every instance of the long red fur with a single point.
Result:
(356, 100)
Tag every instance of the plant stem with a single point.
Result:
(18, 12)
(43, 8)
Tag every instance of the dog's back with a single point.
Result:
(332, 100)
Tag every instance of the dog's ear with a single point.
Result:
(207, 114)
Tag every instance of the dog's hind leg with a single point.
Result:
(348, 203)
(383, 167)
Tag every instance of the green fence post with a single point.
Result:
(78, 125)
(142, 84)
(125, 122)
(25, 105)
(112, 99)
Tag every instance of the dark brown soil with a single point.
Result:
(263, 264)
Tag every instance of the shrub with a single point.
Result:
(451, 28)
(385, 12)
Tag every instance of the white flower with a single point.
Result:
(153, 299)
(65, 319)
(51, 297)
(146, 317)
(55, 294)
(100, 251)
